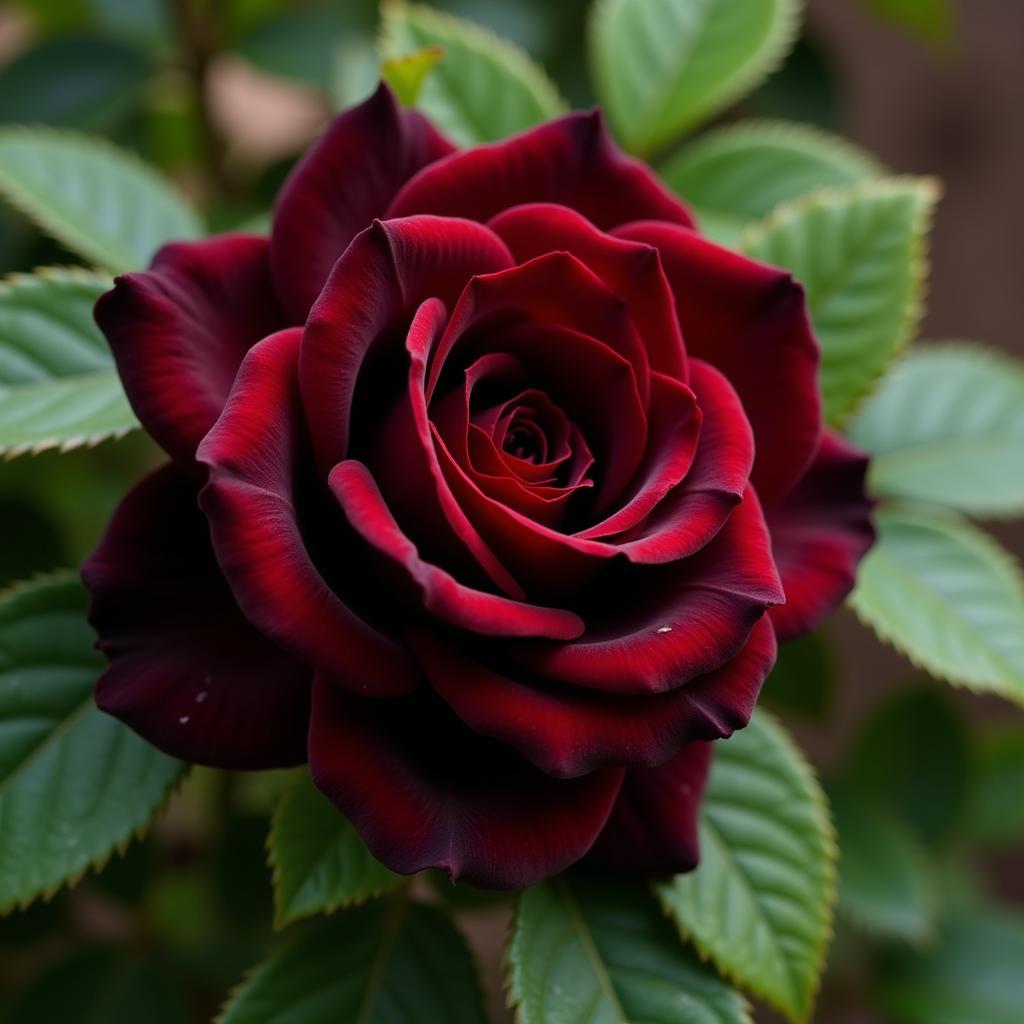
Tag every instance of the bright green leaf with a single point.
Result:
(971, 976)
(99, 201)
(860, 253)
(885, 884)
(947, 596)
(319, 861)
(946, 425)
(995, 811)
(738, 175)
(661, 66)
(58, 385)
(584, 951)
(911, 756)
(388, 962)
(760, 903)
(75, 784)
(407, 74)
(483, 88)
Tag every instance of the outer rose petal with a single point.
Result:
(179, 331)
(344, 182)
(257, 454)
(820, 531)
(751, 321)
(187, 671)
(423, 791)
(568, 731)
(653, 828)
(572, 161)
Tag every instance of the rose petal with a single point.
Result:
(425, 792)
(653, 829)
(258, 455)
(187, 671)
(441, 594)
(568, 731)
(179, 330)
(572, 161)
(631, 270)
(652, 629)
(750, 321)
(820, 532)
(339, 187)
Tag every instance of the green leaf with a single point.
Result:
(318, 859)
(662, 66)
(86, 81)
(860, 253)
(737, 175)
(587, 950)
(99, 201)
(930, 20)
(803, 679)
(58, 385)
(75, 784)
(912, 757)
(388, 962)
(995, 811)
(972, 976)
(760, 903)
(946, 425)
(407, 74)
(885, 882)
(947, 596)
(294, 44)
(484, 88)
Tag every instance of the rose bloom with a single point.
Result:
(492, 484)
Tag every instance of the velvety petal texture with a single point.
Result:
(494, 485)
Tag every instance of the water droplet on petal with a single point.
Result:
(183, 720)
(201, 696)
(664, 629)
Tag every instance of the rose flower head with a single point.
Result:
(492, 485)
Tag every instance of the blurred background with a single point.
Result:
(222, 96)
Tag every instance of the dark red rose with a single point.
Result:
(492, 483)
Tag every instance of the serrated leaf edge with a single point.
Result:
(766, 61)
(929, 190)
(809, 776)
(53, 226)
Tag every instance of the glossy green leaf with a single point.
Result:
(58, 385)
(319, 861)
(387, 962)
(75, 784)
(860, 253)
(407, 74)
(737, 175)
(947, 596)
(760, 903)
(946, 425)
(589, 951)
(87, 82)
(995, 810)
(885, 881)
(483, 88)
(662, 66)
(911, 756)
(971, 976)
(99, 201)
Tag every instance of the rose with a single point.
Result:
(491, 538)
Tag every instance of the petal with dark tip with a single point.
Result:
(568, 731)
(179, 331)
(820, 532)
(342, 183)
(187, 670)
(423, 791)
(572, 161)
(258, 458)
(653, 829)
(751, 322)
